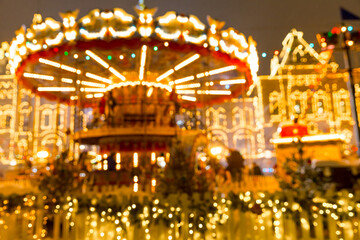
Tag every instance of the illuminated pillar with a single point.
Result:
(72, 131)
(36, 124)
(118, 161)
(13, 131)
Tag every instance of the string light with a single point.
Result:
(142, 62)
(38, 76)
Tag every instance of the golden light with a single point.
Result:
(153, 158)
(216, 150)
(165, 75)
(233, 81)
(97, 59)
(350, 43)
(42, 154)
(187, 62)
(38, 76)
(188, 98)
(96, 77)
(56, 89)
(142, 62)
(135, 160)
(149, 92)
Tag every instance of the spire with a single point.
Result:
(141, 5)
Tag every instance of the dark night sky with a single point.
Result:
(268, 21)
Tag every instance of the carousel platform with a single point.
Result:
(116, 134)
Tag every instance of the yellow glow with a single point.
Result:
(182, 80)
(106, 15)
(59, 65)
(282, 140)
(214, 92)
(118, 158)
(97, 59)
(185, 91)
(38, 76)
(153, 158)
(123, 15)
(164, 75)
(92, 84)
(42, 154)
(136, 187)
(149, 92)
(56, 89)
(233, 81)
(216, 71)
(188, 98)
(96, 77)
(196, 22)
(117, 74)
(216, 150)
(187, 61)
(311, 138)
(67, 80)
(135, 160)
(136, 179)
(123, 34)
(93, 89)
(49, 62)
(193, 85)
(142, 62)
(168, 36)
(55, 41)
(70, 69)
(98, 95)
(323, 137)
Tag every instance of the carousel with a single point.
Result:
(132, 74)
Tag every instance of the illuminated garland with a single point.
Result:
(117, 24)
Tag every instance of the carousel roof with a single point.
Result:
(83, 58)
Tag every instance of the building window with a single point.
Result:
(342, 106)
(8, 121)
(297, 107)
(320, 107)
(274, 103)
(46, 120)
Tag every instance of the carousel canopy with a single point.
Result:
(80, 59)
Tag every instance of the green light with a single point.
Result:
(133, 55)
(329, 34)
(156, 48)
(66, 53)
(109, 57)
(87, 58)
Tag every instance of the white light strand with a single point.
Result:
(188, 98)
(142, 62)
(97, 59)
(96, 77)
(213, 92)
(59, 65)
(165, 75)
(38, 76)
(67, 80)
(233, 81)
(187, 62)
(193, 85)
(116, 73)
(56, 89)
(98, 90)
